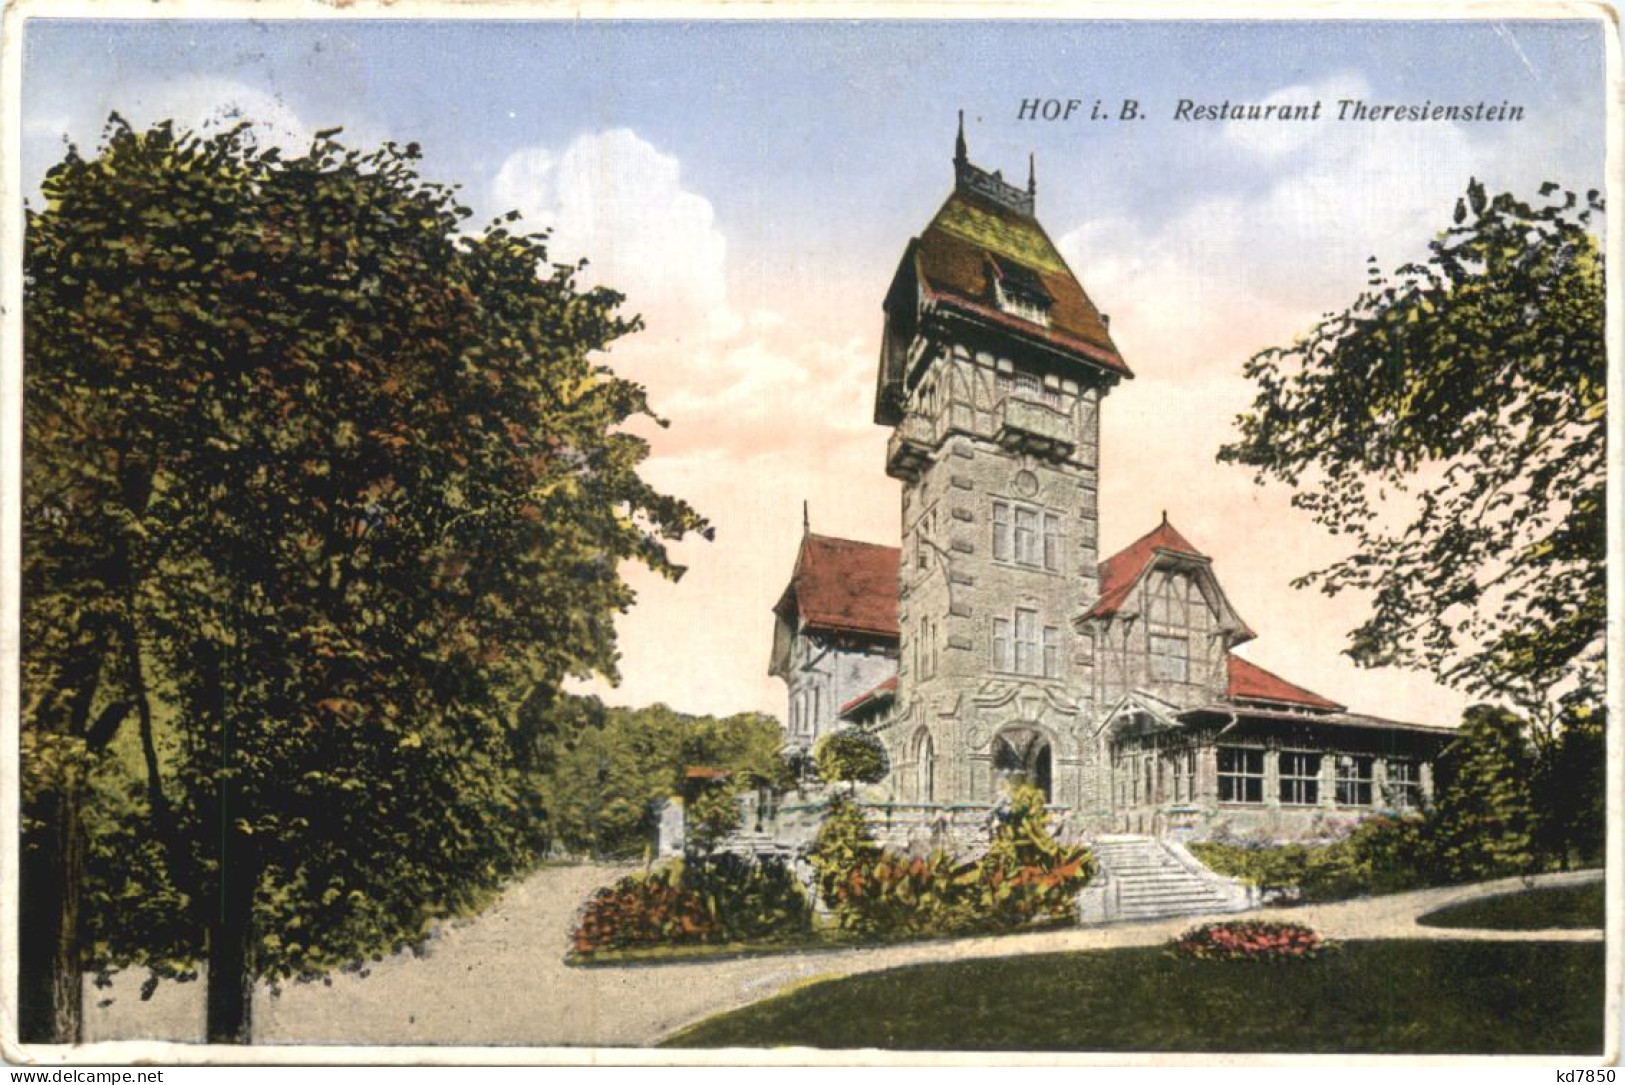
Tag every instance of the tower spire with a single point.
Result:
(806, 519)
(1032, 174)
(960, 156)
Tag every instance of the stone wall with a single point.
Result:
(957, 596)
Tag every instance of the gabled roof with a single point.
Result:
(1250, 682)
(886, 691)
(843, 586)
(1120, 572)
(973, 239)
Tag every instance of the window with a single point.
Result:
(1052, 542)
(1026, 536)
(1052, 652)
(1020, 291)
(1300, 779)
(1354, 776)
(1026, 641)
(1404, 789)
(1184, 775)
(1023, 646)
(1170, 658)
(1241, 775)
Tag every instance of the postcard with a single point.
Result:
(540, 534)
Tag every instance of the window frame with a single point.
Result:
(1405, 793)
(1244, 780)
(1303, 786)
(1162, 672)
(1348, 788)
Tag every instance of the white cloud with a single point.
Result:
(1274, 138)
(619, 201)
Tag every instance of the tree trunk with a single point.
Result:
(49, 977)
(231, 957)
(230, 997)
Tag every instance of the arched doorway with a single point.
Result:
(1023, 754)
(925, 767)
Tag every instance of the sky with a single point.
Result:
(750, 186)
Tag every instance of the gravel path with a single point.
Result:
(501, 980)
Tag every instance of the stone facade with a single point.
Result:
(1000, 515)
(1018, 652)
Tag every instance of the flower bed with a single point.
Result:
(1251, 940)
(698, 901)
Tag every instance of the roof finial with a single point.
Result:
(959, 143)
(1032, 174)
(806, 520)
(1165, 516)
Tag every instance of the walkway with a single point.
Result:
(501, 980)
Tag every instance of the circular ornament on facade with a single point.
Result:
(1026, 484)
(977, 736)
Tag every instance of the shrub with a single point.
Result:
(711, 900)
(749, 898)
(1025, 876)
(851, 757)
(644, 910)
(1250, 940)
(1381, 855)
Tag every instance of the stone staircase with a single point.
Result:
(1144, 878)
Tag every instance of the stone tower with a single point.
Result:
(993, 368)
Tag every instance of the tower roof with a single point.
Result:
(975, 240)
(844, 586)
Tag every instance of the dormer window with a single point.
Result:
(1020, 292)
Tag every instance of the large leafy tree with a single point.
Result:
(1451, 424)
(325, 497)
(608, 777)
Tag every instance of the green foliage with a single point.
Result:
(696, 901)
(1250, 940)
(1026, 874)
(1381, 855)
(1396, 996)
(1485, 820)
(1568, 907)
(1024, 877)
(1451, 424)
(851, 757)
(1571, 787)
(604, 789)
(326, 497)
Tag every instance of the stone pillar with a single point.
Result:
(1272, 776)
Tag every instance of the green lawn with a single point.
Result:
(1413, 997)
(1565, 907)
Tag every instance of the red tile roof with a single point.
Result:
(1119, 572)
(883, 692)
(845, 586)
(955, 261)
(1250, 682)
